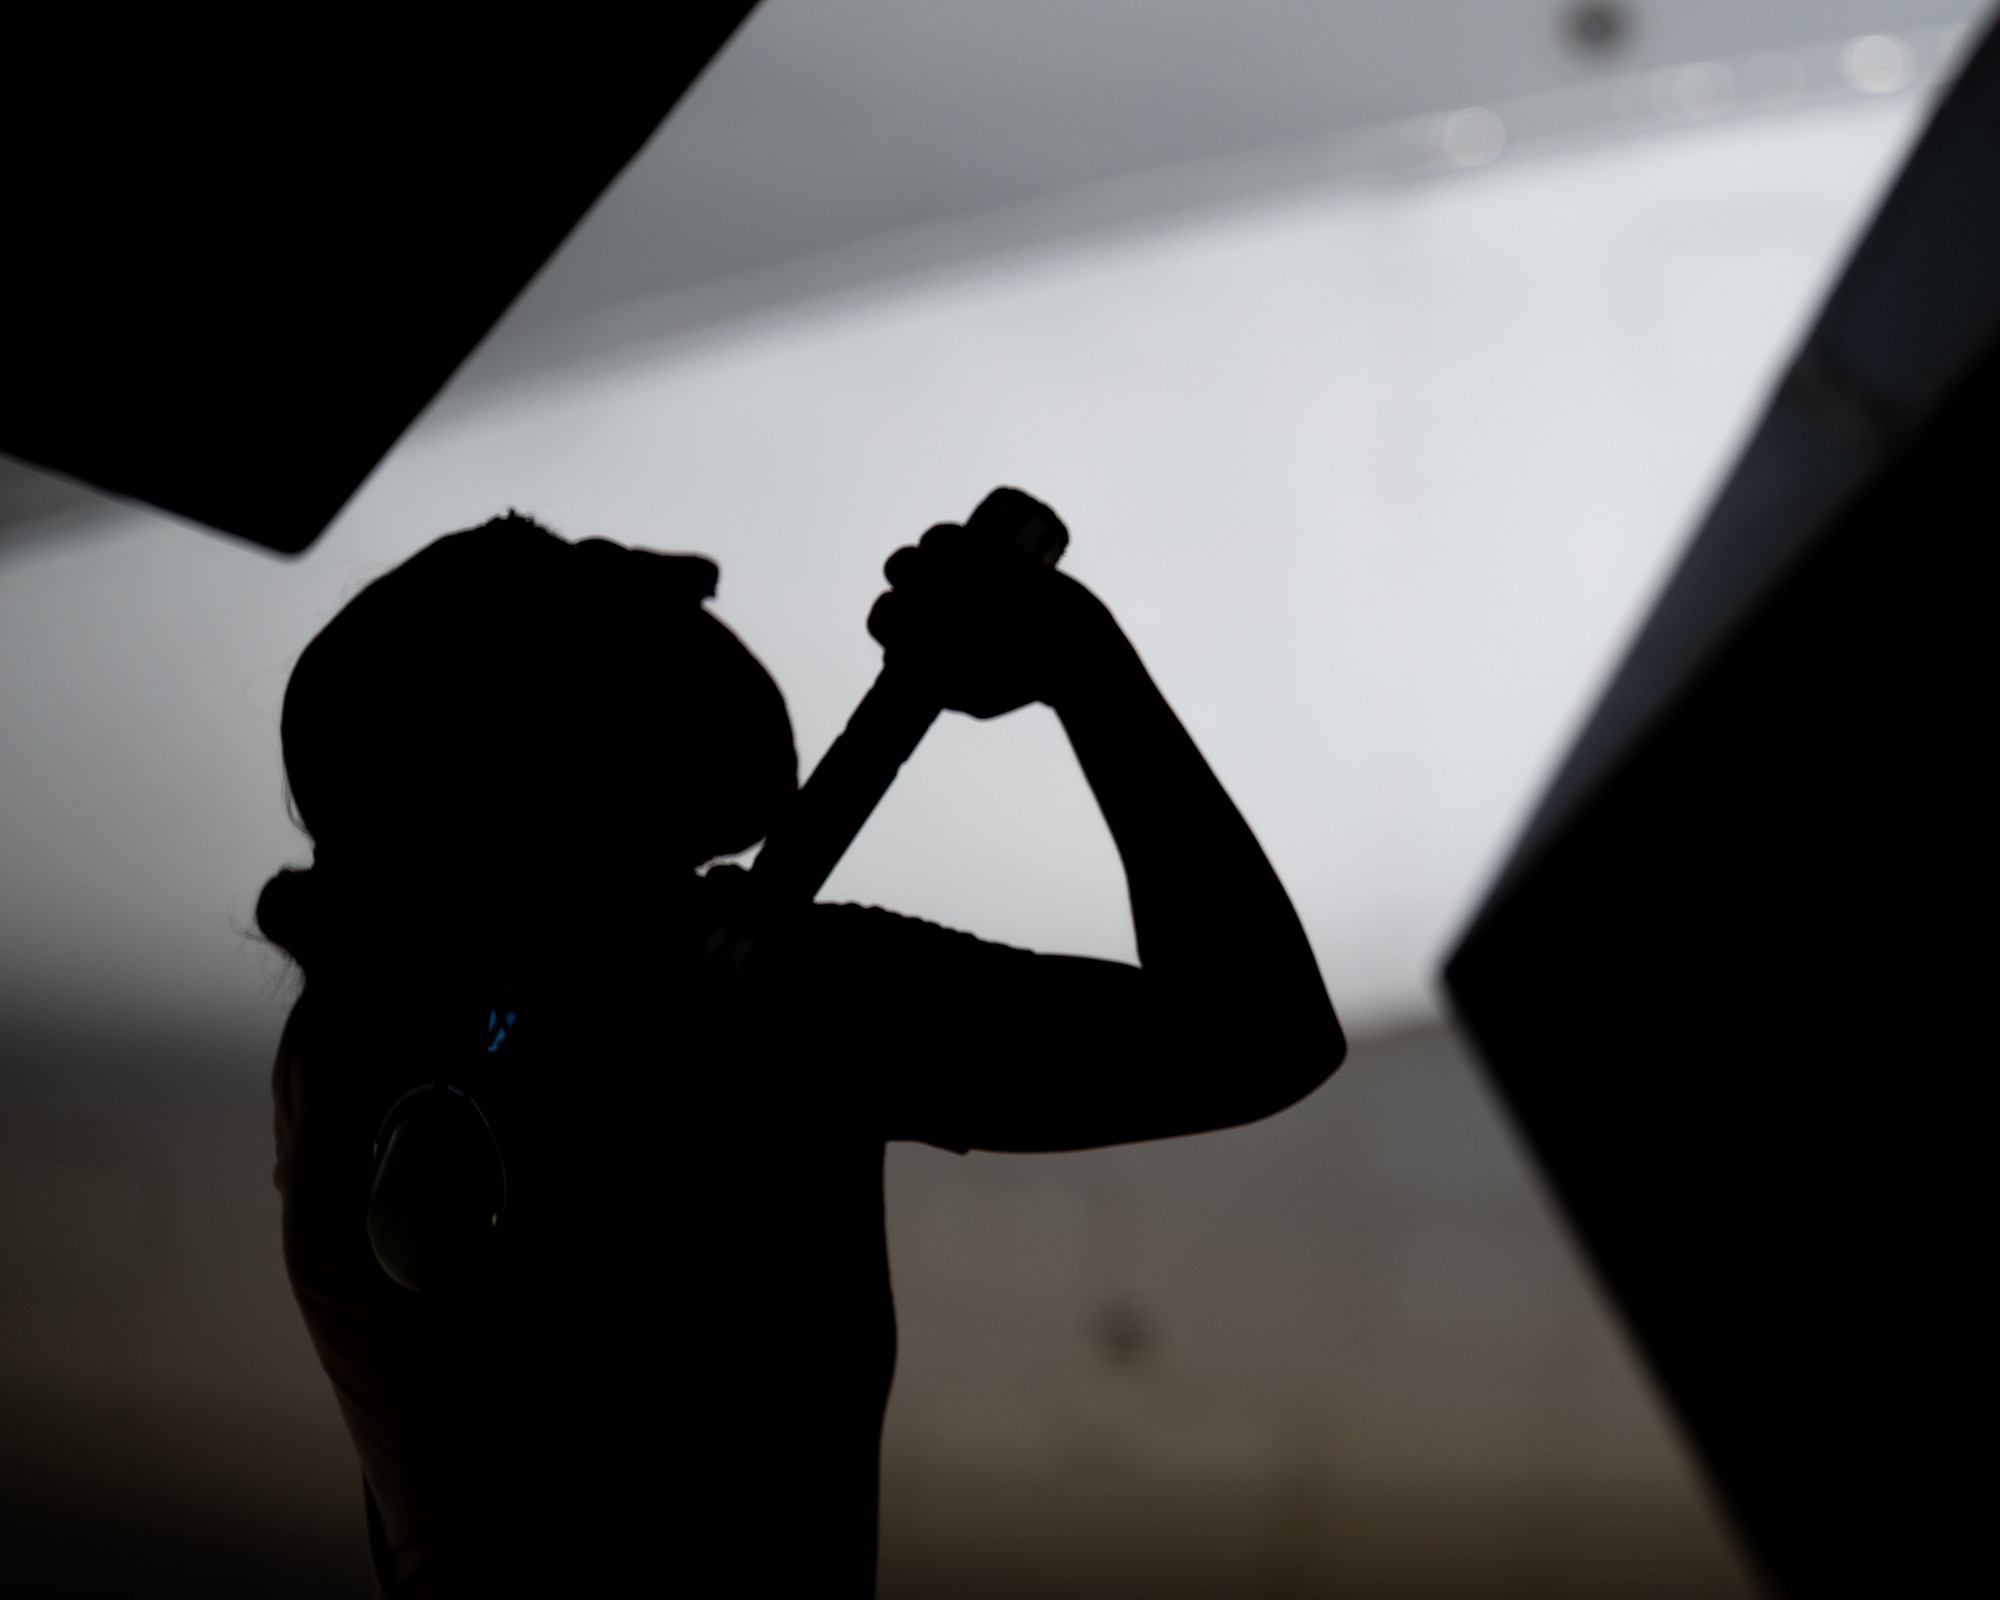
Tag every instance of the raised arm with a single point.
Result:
(1227, 1019)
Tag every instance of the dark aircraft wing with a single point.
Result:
(244, 252)
(1733, 983)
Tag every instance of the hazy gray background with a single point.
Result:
(1380, 357)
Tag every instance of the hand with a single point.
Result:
(985, 628)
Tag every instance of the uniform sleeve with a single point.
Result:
(972, 1045)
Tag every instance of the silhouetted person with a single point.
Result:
(512, 754)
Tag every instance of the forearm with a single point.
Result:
(1212, 922)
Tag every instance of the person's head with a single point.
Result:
(509, 728)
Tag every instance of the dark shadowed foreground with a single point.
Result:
(1345, 1351)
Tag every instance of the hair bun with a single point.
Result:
(289, 913)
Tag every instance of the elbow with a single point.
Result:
(1283, 1060)
(1308, 1056)
(1292, 1041)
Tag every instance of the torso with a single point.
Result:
(690, 1346)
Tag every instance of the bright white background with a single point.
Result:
(1378, 478)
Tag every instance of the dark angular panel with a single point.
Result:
(242, 257)
(1735, 986)
(1919, 301)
